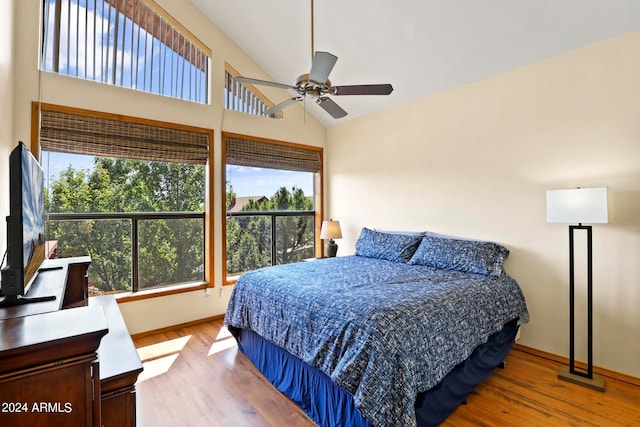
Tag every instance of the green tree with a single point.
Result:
(295, 234)
(170, 250)
(249, 243)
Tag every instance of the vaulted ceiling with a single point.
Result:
(421, 47)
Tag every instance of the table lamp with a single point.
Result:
(330, 230)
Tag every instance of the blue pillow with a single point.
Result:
(392, 247)
(471, 256)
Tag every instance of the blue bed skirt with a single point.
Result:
(330, 405)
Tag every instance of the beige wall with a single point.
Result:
(51, 88)
(476, 162)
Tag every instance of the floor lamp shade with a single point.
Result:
(580, 205)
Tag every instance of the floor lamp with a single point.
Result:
(580, 205)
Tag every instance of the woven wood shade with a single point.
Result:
(245, 152)
(100, 136)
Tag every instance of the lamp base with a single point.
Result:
(595, 383)
(331, 249)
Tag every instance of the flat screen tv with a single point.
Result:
(25, 228)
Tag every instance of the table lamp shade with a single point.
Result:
(578, 205)
(330, 230)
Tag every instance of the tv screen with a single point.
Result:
(25, 227)
(33, 241)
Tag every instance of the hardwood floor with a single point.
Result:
(528, 393)
(195, 376)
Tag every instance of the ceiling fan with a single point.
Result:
(317, 85)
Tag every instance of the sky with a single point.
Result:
(246, 181)
(53, 163)
(249, 181)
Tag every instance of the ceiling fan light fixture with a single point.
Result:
(317, 84)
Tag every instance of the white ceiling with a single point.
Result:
(421, 47)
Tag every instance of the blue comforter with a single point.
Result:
(382, 330)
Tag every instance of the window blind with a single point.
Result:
(248, 152)
(118, 136)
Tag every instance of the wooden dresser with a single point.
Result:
(70, 361)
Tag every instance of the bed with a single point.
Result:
(396, 335)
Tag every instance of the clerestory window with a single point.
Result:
(244, 97)
(129, 43)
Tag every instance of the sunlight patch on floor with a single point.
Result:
(153, 368)
(223, 341)
(158, 358)
(155, 351)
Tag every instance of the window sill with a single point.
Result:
(161, 292)
(231, 280)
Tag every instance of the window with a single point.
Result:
(245, 98)
(129, 43)
(128, 192)
(273, 203)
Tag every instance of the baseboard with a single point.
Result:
(178, 326)
(565, 361)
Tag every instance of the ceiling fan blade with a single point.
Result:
(263, 83)
(282, 105)
(331, 107)
(382, 89)
(321, 67)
